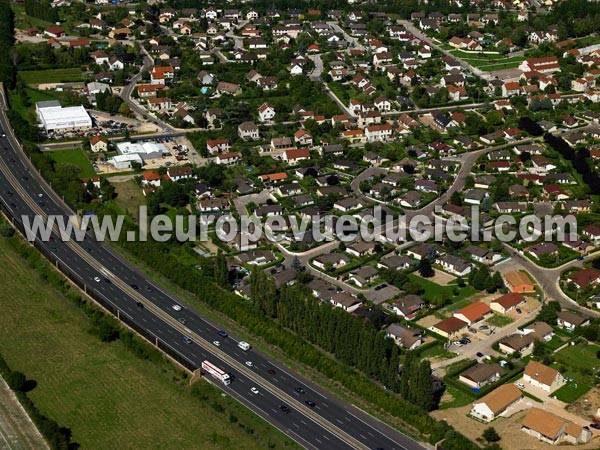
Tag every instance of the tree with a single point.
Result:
(425, 269)
(491, 435)
(16, 381)
(221, 272)
(297, 265)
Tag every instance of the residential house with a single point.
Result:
(473, 313)
(294, 156)
(266, 112)
(98, 144)
(496, 402)
(405, 337)
(507, 302)
(539, 330)
(248, 130)
(570, 320)
(333, 260)
(481, 375)
(216, 146)
(345, 301)
(517, 343)
(543, 377)
(407, 306)
(455, 265)
(552, 429)
(518, 281)
(228, 159)
(450, 327)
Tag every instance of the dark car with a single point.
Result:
(380, 287)
(149, 288)
(310, 403)
(222, 333)
(139, 305)
(480, 355)
(187, 340)
(135, 286)
(299, 390)
(285, 409)
(271, 372)
(595, 426)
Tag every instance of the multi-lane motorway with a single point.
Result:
(325, 422)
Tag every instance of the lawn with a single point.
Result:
(434, 291)
(489, 62)
(75, 157)
(499, 321)
(571, 391)
(129, 196)
(579, 364)
(437, 351)
(32, 77)
(106, 395)
(459, 398)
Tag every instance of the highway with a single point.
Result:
(144, 306)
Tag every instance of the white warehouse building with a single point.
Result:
(54, 117)
(146, 150)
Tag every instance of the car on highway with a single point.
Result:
(299, 390)
(254, 390)
(176, 307)
(135, 286)
(97, 279)
(285, 409)
(149, 288)
(310, 403)
(249, 364)
(40, 195)
(217, 343)
(222, 333)
(139, 305)
(271, 372)
(187, 340)
(182, 321)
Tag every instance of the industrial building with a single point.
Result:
(54, 117)
(146, 150)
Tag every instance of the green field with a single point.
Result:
(129, 196)
(109, 397)
(75, 157)
(33, 77)
(435, 291)
(579, 363)
(489, 62)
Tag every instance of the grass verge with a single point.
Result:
(108, 396)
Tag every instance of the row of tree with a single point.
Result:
(41, 9)
(579, 160)
(7, 69)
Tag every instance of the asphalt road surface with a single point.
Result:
(329, 424)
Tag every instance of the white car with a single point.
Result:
(217, 343)
(97, 279)
(249, 363)
(520, 385)
(176, 307)
(254, 390)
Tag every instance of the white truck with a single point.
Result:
(244, 345)
(216, 373)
